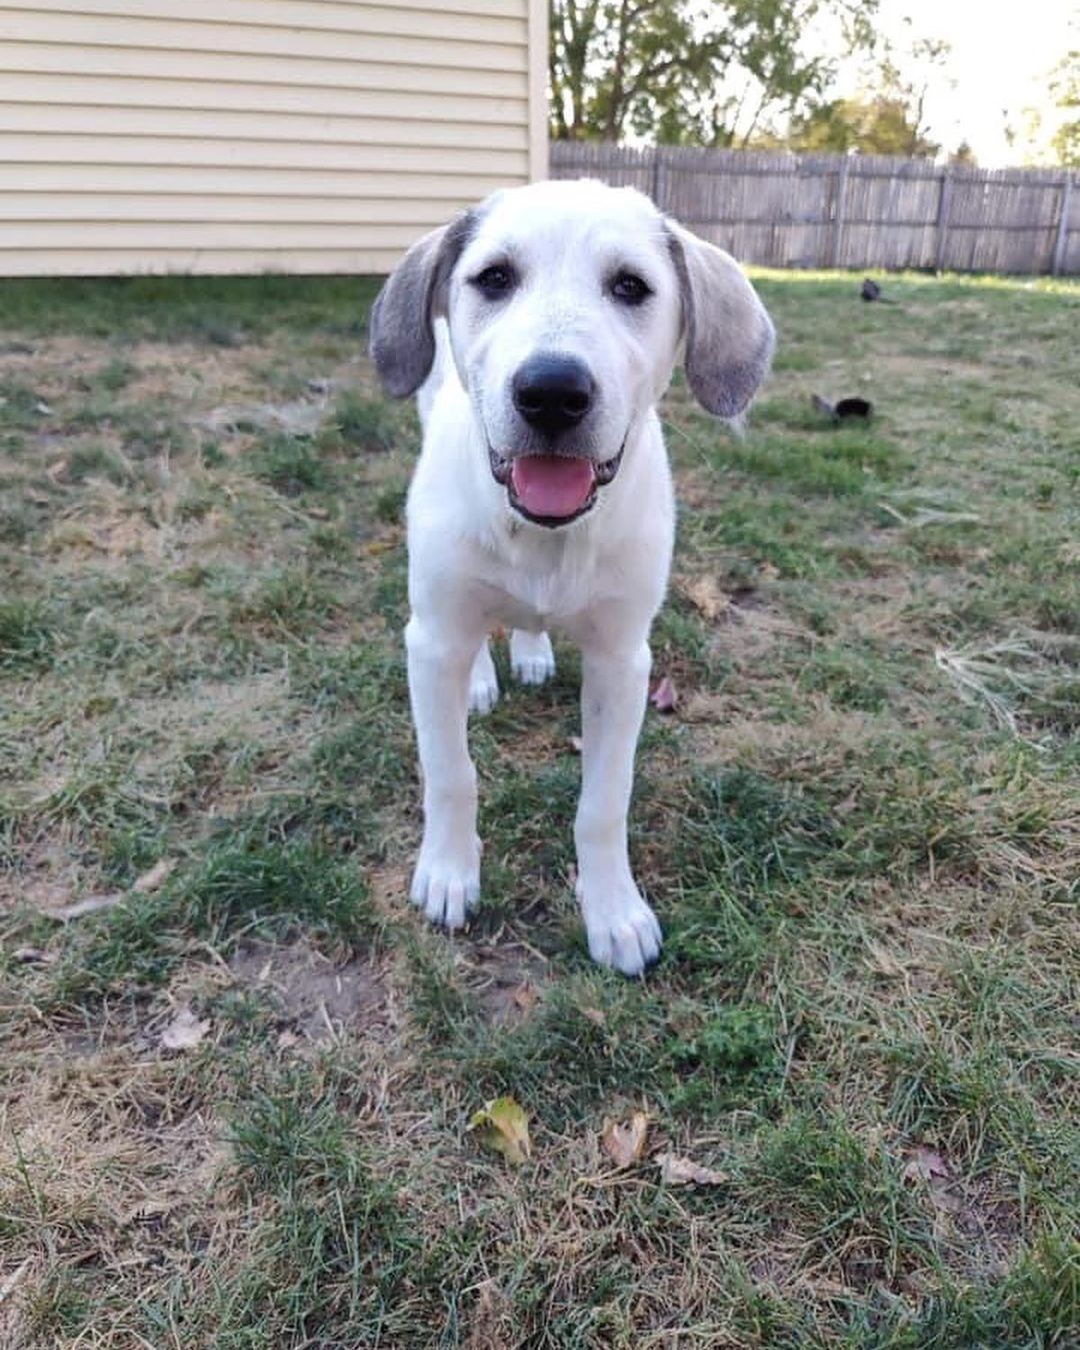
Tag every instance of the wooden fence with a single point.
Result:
(779, 209)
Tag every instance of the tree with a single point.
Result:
(881, 125)
(1065, 87)
(687, 71)
(905, 82)
(886, 116)
(1038, 135)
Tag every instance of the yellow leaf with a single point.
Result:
(707, 595)
(504, 1127)
(624, 1142)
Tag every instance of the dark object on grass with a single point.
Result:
(872, 291)
(844, 409)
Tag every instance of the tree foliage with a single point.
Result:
(1065, 88)
(688, 71)
(881, 125)
(888, 118)
(1050, 132)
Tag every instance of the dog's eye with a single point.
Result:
(630, 289)
(495, 281)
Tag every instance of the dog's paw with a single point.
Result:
(483, 682)
(531, 658)
(446, 888)
(622, 932)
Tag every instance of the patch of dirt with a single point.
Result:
(47, 876)
(312, 996)
(507, 980)
(389, 886)
(46, 894)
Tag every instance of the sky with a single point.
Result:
(1002, 52)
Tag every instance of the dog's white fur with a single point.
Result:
(475, 563)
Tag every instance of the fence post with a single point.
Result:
(838, 211)
(1058, 261)
(944, 207)
(659, 179)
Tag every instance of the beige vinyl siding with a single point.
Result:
(245, 135)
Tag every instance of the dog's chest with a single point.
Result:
(534, 587)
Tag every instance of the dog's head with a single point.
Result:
(568, 304)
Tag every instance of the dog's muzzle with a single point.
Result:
(552, 490)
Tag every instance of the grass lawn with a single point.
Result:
(238, 1070)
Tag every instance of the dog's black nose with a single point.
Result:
(553, 393)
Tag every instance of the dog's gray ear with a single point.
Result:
(404, 312)
(729, 335)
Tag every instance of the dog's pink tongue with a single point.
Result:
(551, 485)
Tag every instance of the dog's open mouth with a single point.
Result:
(552, 490)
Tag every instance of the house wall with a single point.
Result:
(223, 136)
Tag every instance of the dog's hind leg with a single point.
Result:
(531, 657)
(483, 682)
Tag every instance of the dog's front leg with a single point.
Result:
(446, 883)
(621, 928)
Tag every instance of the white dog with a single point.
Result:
(544, 326)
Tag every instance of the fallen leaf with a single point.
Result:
(524, 997)
(676, 1171)
(504, 1127)
(768, 571)
(663, 697)
(33, 956)
(89, 904)
(706, 595)
(152, 878)
(928, 1166)
(595, 1016)
(926, 1163)
(184, 1032)
(624, 1142)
